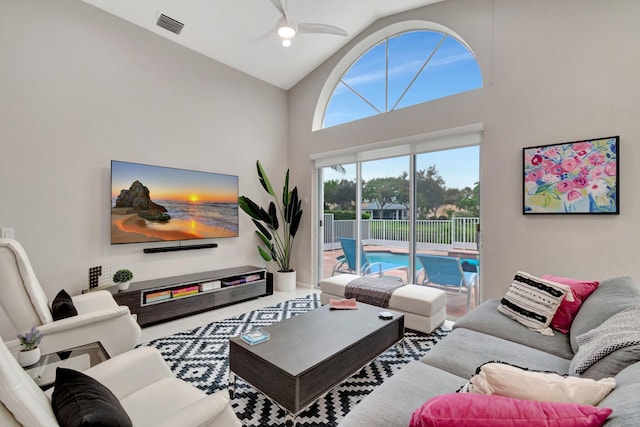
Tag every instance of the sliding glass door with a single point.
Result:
(400, 210)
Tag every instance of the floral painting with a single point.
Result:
(572, 178)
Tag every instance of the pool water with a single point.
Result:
(390, 257)
(403, 259)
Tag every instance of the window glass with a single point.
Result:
(403, 70)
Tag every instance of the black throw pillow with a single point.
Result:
(62, 306)
(81, 401)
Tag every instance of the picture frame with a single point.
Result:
(578, 177)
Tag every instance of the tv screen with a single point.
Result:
(157, 204)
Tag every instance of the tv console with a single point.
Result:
(168, 298)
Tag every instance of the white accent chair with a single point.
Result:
(140, 380)
(25, 304)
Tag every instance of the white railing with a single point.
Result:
(436, 234)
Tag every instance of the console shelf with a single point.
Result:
(168, 298)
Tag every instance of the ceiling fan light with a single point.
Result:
(286, 42)
(286, 32)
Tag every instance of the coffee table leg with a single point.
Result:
(400, 347)
(232, 384)
(291, 417)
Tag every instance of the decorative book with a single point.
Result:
(343, 304)
(255, 336)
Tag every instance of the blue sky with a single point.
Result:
(383, 74)
(427, 65)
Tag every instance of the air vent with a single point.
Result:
(169, 24)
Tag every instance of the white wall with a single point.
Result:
(554, 71)
(79, 87)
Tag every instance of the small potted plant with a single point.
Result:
(30, 353)
(123, 278)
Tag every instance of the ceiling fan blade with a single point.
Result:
(271, 32)
(281, 5)
(309, 28)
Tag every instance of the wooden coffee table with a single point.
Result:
(309, 354)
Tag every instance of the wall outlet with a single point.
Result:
(7, 233)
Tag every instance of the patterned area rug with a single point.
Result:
(200, 356)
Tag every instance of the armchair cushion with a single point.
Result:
(79, 400)
(62, 306)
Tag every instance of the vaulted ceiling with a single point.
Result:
(242, 33)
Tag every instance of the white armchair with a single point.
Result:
(140, 380)
(25, 304)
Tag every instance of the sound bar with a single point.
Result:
(179, 248)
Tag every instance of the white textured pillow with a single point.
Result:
(533, 301)
(510, 381)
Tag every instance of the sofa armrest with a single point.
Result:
(212, 410)
(131, 371)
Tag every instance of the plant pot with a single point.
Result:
(29, 357)
(284, 280)
(124, 285)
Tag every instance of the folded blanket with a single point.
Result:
(619, 331)
(372, 290)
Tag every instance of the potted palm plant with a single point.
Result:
(276, 227)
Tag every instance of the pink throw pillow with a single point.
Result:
(567, 311)
(480, 410)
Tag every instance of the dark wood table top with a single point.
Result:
(306, 340)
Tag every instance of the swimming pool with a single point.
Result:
(403, 259)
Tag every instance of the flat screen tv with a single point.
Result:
(157, 204)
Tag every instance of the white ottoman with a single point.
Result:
(424, 308)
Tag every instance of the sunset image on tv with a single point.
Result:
(154, 203)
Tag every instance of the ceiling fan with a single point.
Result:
(287, 28)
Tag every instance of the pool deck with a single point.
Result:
(456, 304)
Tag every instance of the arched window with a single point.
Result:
(404, 69)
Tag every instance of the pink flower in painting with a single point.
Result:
(596, 173)
(535, 160)
(569, 165)
(556, 170)
(584, 171)
(582, 146)
(580, 182)
(596, 159)
(551, 152)
(547, 164)
(564, 186)
(582, 152)
(573, 195)
(610, 168)
(534, 175)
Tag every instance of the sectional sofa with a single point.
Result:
(485, 335)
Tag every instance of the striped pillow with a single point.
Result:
(533, 301)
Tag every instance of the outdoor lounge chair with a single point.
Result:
(446, 273)
(347, 262)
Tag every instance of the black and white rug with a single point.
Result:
(200, 356)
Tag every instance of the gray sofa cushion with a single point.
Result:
(488, 320)
(612, 364)
(392, 404)
(612, 296)
(463, 350)
(624, 399)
